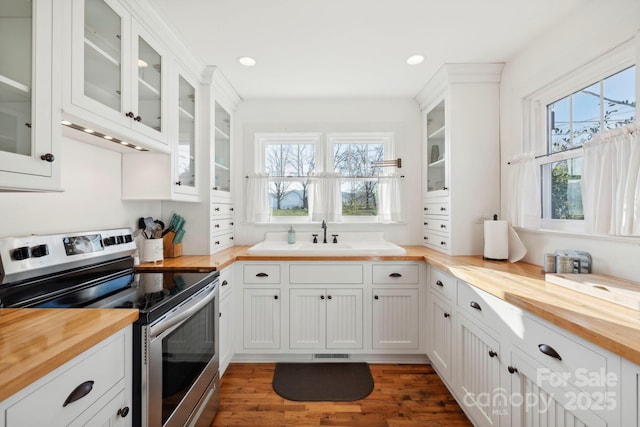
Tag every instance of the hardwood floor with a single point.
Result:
(403, 396)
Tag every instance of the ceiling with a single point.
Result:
(354, 48)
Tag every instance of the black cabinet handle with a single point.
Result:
(447, 315)
(395, 275)
(442, 209)
(443, 243)
(376, 297)
(512, 370)
(179, 183)
(321, 296)
(443, 226)
(492, 354)
(137, 118)
(123, 412)
(439, 283)
(262, 275)
(275, 297)
(475, 305)
(214, 188)
(329, 297)
(79, 392)
(48, 157)
(549, 351)
(130, 114)
(224, 283)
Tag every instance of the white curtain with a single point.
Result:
(391, 198)
(325, 197)
(611, 182)
(524, 192)
(258, 208)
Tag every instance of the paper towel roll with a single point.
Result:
(496, 240)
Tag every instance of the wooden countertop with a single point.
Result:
(611, 326)
(34, 342)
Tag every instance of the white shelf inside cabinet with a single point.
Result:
(9, 86)
(101, 52)
(437, 134)
(223, 167)
(184, 114)
(146, 89)
(437, 164)
(222, 134)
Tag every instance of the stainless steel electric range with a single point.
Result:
(175, 348)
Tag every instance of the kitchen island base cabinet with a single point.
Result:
(102, 373)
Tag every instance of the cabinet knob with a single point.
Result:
(549, 351)
(130, 114)
(376, 297)
(329, 297)
(123, 412)
(224, 283)
(439, 283)
(443, 243)
(492, 354)
(512, 370)
(178, 182)
(447, 315)
(443, 226)
(275, 297)
(216, 209)
(426, 209)
(321, 296)
(425, 238)
(442, 209)
(215, 188)
(475, 305)
(216, 226)
(48, 157)
(425, 223)
(445, 188)
(137, 118)
(231, 209)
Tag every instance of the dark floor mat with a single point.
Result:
(323, 381)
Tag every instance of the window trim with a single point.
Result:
(535, 130)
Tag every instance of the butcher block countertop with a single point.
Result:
(34, 342)
(611, 326)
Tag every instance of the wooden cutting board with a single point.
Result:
(609, 288)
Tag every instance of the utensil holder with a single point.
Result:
(171, 250)
(152, 250)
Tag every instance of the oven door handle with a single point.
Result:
(182, 315)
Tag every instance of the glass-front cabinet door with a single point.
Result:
(222, 162)
(26, 53)
(186, 149)
(117, 69)
(436, 151)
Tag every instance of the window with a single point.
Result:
(571, 121)
(293, 160)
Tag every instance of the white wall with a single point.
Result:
(91, 177)
(399, 115)
(586, 34)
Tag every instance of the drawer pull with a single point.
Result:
(439, 283)
(275, 297)
(329, 297)
(79, 392)
(224, 283)
(475, 305)
(376, 297)
(321, 296)
(492, 354)
(123, 412)
(549, 351)
(443, 243)
(262, 275)
(395, 275)
(443, 209)
(512, 370)
(447, 315)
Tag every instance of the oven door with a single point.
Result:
(182, 363)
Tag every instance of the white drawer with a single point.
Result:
(221, 210)
(395, 273)
(437, 208)
(436, 224)
(105, 367)
(443, 284)
(326, 273)
(261, 273)
(497, 314)
(222, 240)
(585, 366)
(219, 224)
(436, 241)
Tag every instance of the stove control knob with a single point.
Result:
(128, 238)
(20, 253)
(120, 239)
(108, 241)
(39, 251)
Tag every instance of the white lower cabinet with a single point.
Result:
(477, 373)
(100, 378)
(226, 341)
(395, 319)
(322, 319)
(513, 369)
(261, 318)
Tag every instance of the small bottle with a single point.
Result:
(291, 236)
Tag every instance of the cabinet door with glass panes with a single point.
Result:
(436, 152)
(222, 153)
(186, 147)
(29, 123)
(117, 69)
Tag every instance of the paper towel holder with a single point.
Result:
(496, 250)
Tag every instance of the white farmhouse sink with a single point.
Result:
(349, 243)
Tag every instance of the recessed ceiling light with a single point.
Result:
(247, 61)
(415, 59)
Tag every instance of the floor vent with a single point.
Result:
(331, 356)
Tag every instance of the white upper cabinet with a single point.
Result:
(117, 77)
(222, 152)
(29, 106)
(436, 150)
(186, 146)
